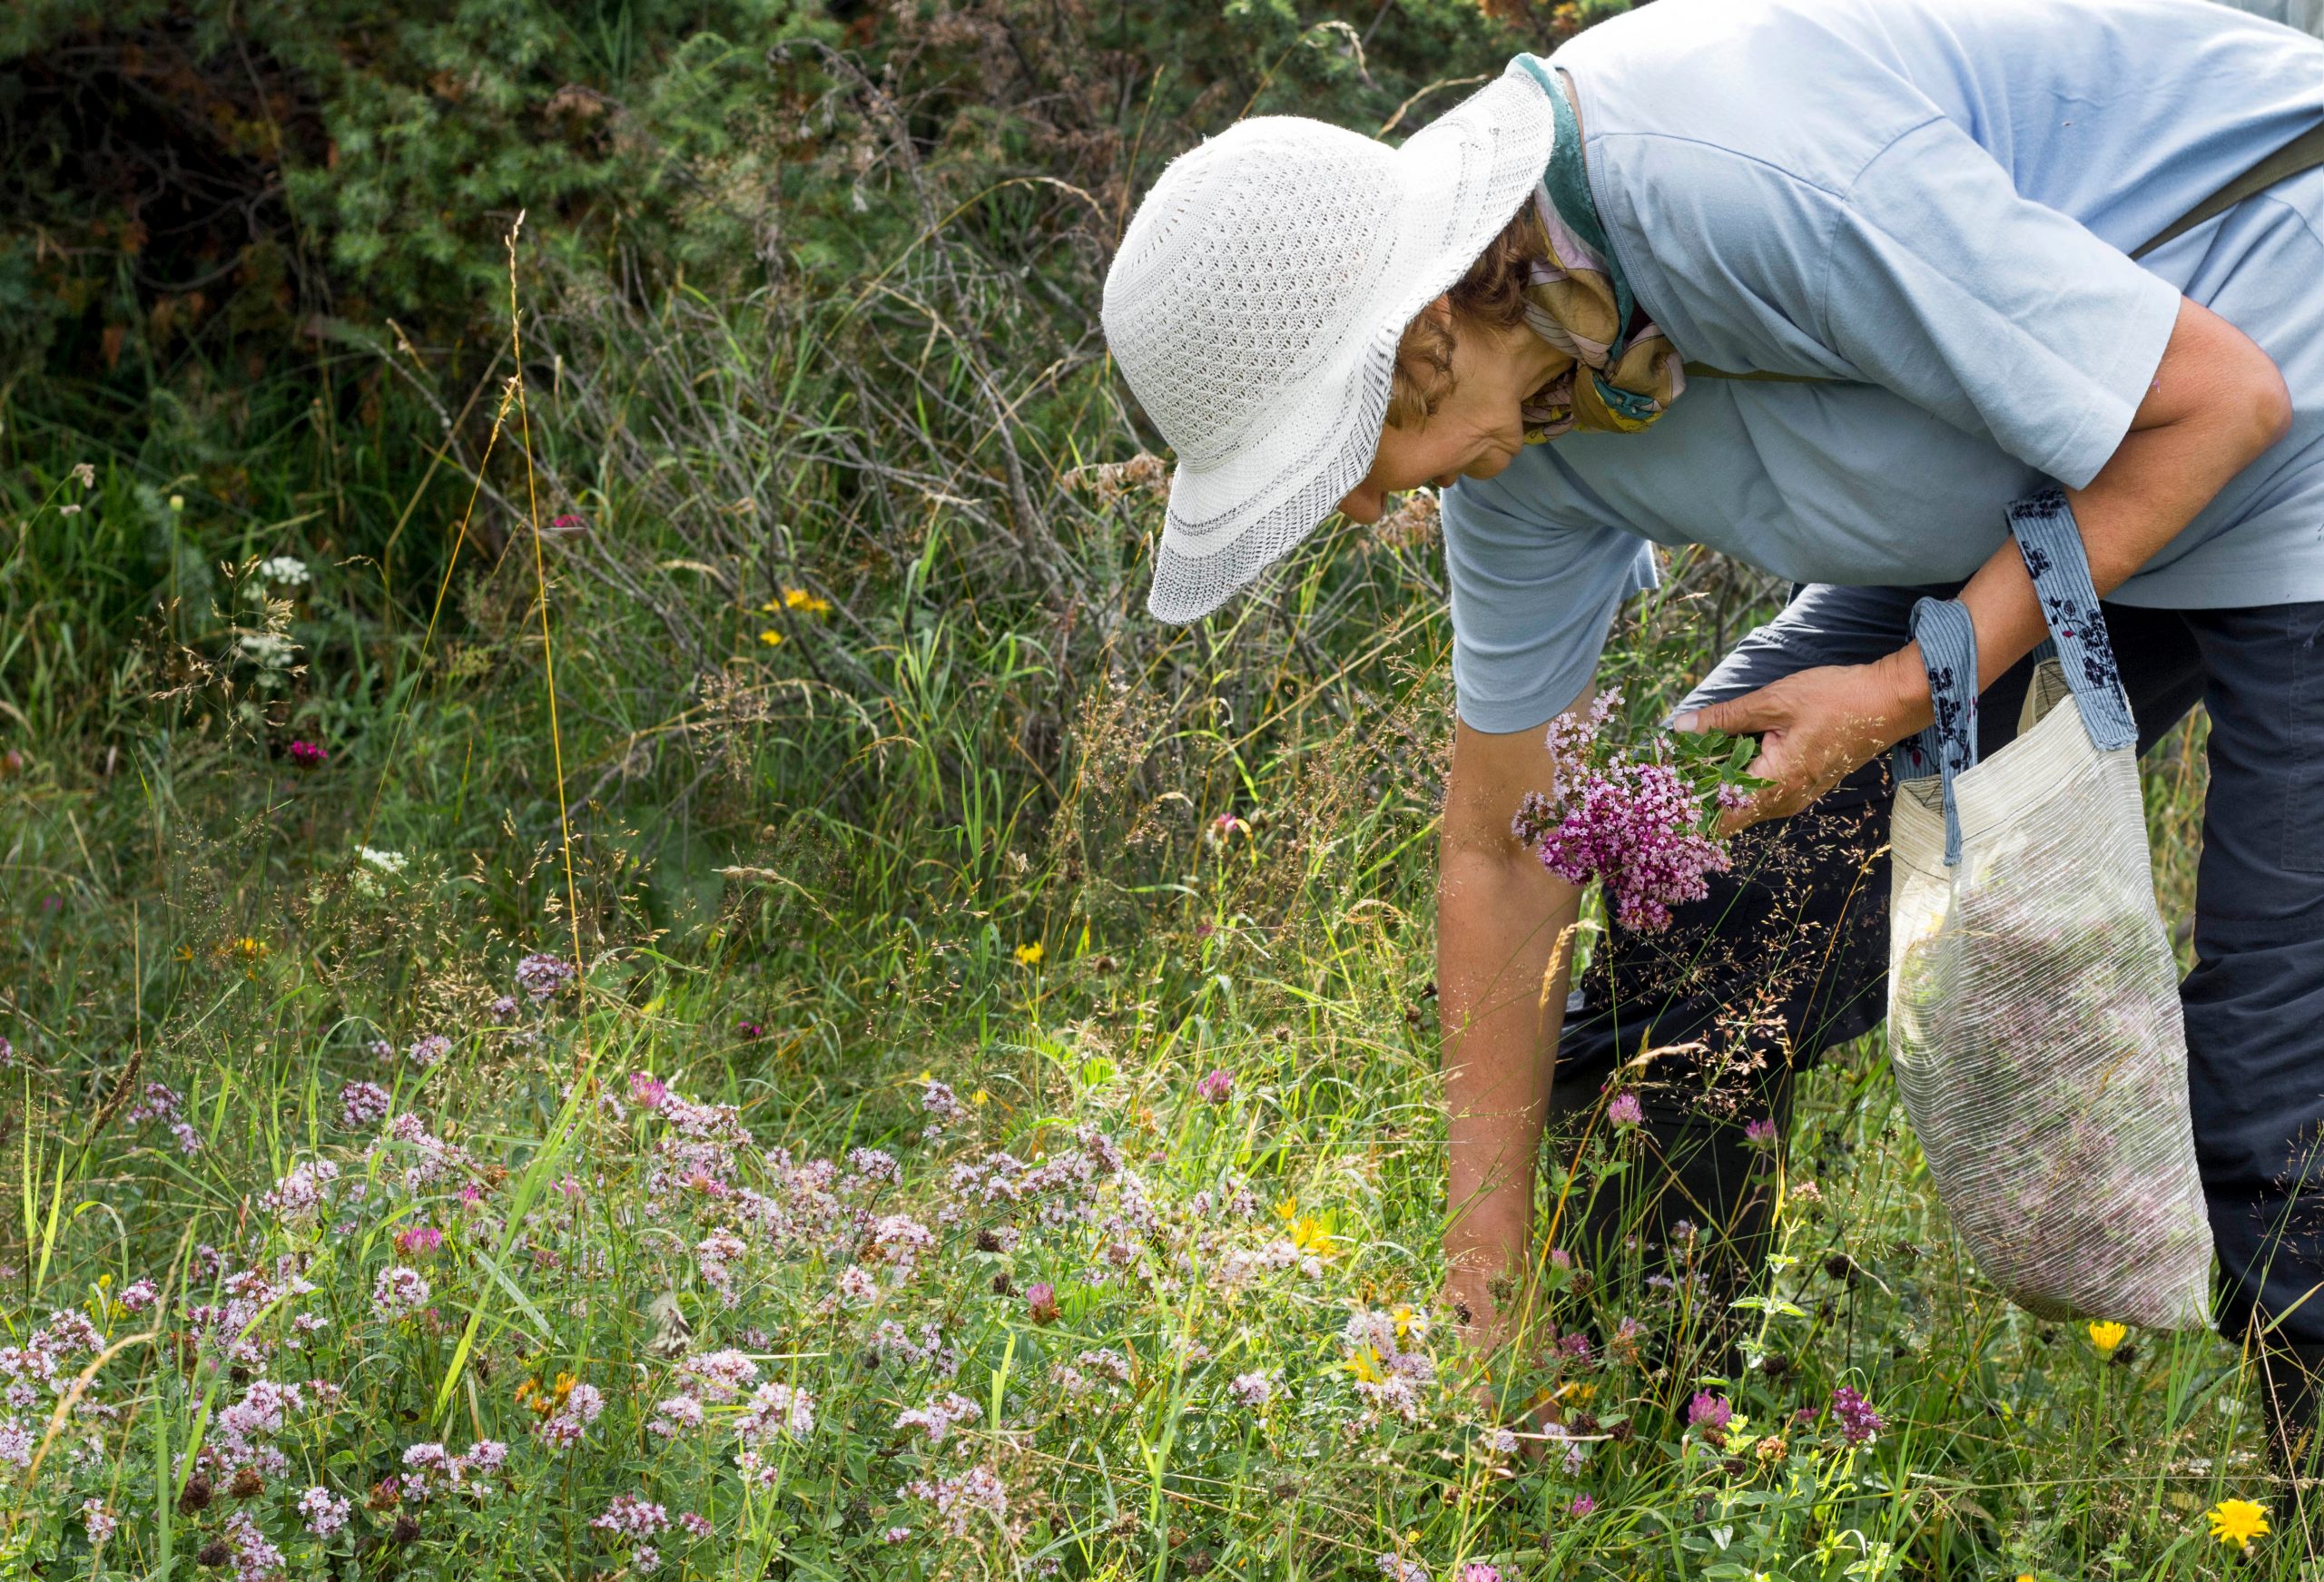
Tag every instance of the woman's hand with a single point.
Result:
(1816, 726)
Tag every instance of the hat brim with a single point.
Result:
(1460, 179)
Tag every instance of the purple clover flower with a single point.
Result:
(1624, 1110)
(1216, 1087)
(1708, 1412)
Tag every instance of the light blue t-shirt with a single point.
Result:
(1934, 198)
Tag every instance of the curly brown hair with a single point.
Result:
(1491, 294)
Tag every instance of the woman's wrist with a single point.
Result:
(1901, 684)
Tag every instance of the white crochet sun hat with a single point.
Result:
(1258, 298)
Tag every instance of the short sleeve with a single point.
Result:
(1532, 599)
(2001, 315)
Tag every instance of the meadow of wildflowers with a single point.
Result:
(894, 1066)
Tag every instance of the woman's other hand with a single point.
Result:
(1814, 727)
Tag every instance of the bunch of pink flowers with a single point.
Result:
(1624, 816)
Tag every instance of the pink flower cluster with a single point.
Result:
(300, 1192)
(777, 1409)
(773, 1408)
(938, 1416)
(362, 1104)
(960, 1499)
(541, 976)
(1252, 1391)
(255, 1558)
(400, 1291)
(1630, 821)
(236, 1435)
(430, 1468)
(633, 1518)
(325, 1512)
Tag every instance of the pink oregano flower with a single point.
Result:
(1626, 816)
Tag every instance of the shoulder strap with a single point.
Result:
(2304, 153)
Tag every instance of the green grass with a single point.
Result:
(959, 826)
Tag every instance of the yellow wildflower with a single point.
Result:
(800, 599)
(1029, 955)
(1308, 1235)
(1287, 1211)
(1405, 1318)
(1365, 1364)
(980, 1096)
(771, 637)
(2238, 1522)
(2106, 1337)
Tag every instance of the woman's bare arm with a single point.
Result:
(1501, 914)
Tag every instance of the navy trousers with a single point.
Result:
(1788, 954)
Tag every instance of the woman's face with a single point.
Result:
(1475, 431)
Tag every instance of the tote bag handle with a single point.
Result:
(2050, 543)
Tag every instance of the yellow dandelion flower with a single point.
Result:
(1287, 1210)
(771, 637)
(2106, 1337)
(2238, 1522)
(800, 599)
(1308, 1235)
(1029, 955)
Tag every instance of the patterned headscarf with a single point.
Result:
(1576, 299)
